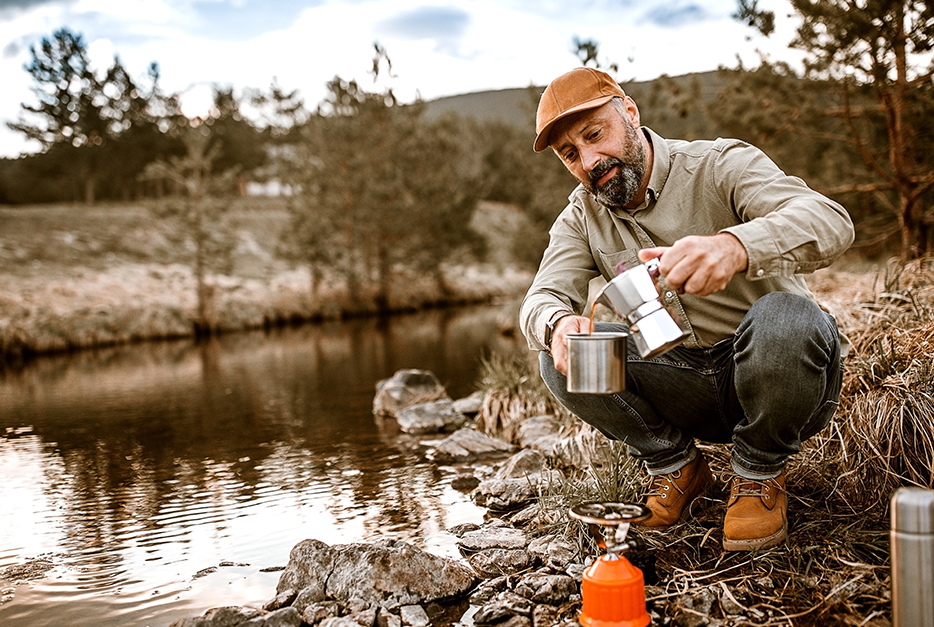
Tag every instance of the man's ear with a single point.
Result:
(629, 105)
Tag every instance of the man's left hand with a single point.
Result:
(699, 264)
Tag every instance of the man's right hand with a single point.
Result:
(559, 344)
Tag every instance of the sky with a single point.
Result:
(437, 47)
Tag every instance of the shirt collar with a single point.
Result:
(661, 167)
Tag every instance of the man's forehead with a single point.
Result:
(576, 124)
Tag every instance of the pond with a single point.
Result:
(155, 481)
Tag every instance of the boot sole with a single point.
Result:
(752, 544)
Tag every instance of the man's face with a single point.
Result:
(603, 150)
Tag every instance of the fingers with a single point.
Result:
(700, 265)
(559, 345)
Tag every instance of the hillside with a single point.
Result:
(673, 106)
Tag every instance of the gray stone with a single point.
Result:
(315, 613)
(404, 389)
(414, 615)
(495, 562)
(470, 405)
(493, 537)
(431, 417)
(338, 621)
(545, 588)
(388, 619)
(388, 573)
(555, 551)
(282, 599)
(523, 464)
(285, 617)
(227, 616)
(310, 562)
(309, 595)
(537, 428)
(466, 445)
(365, 617)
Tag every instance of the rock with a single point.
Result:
(228, 616)
(404, 389)
(496, 537)
(388, 573)
(432, 417)
(461, 529)
(282, 599)
(467, 445)
(388, 619)
(555, 551)
(470, 405)
(537, 429)
(338, 621)
(310, 595)
(365, 617)
(494, 562)
(505, 605)
(545, 588)
(310, 563)
(285, 617)
(315, 613)
(523, 464)
(464, 483)
(414, 615)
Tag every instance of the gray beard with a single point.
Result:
(620, 190)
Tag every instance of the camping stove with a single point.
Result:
(613, 589)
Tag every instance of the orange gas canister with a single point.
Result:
(613, 589)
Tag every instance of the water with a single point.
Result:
(159, 480)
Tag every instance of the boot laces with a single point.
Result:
(661, 485)
(755, 487)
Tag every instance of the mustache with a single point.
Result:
(602, 168)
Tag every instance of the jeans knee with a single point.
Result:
(785, 323)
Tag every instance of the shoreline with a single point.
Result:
(69, 309)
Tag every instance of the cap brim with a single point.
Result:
(541, 140)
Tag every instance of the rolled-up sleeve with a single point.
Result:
(786, 227)
(563, 278)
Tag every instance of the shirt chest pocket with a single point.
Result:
(610, 261)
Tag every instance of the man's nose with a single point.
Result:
(590, 159)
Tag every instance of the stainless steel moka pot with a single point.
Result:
(633, 294)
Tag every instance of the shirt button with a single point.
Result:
(760, 272)
(669, 294)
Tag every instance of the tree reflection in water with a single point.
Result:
(140, 467)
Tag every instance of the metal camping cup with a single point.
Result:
(913, 557)
(633, 295)
(597, 362)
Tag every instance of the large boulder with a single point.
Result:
(404, 389)
(388, 573)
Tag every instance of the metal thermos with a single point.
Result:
(913, 558)
(597, 362)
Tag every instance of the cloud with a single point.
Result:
(676, 15)
(237, 19)
(428, 23)
(11, 8)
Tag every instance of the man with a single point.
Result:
(762, 366)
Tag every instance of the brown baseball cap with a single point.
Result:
(580, 89)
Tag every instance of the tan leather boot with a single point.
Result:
(670, 495)
(756, 514)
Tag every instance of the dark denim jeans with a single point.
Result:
(773, 385)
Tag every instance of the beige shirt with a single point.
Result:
(696, 188)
